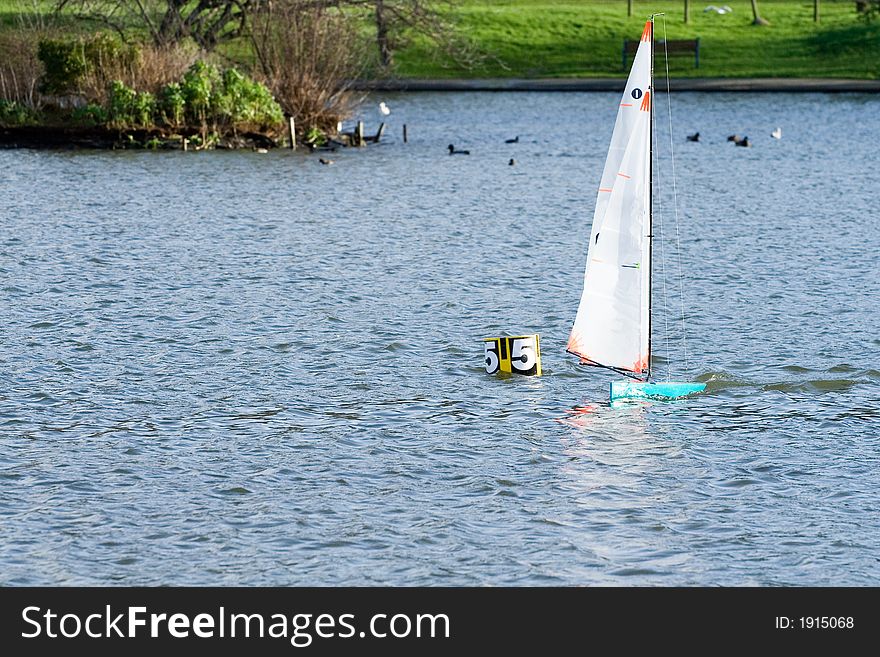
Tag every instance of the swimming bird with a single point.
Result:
(261, 150)
(515, 140)
(452, 151)
(694, 137)
(743, 142)
(323, 161)
(384, 108)
(512, 162)
(776, 134)
(734, 138)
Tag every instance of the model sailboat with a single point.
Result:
(612, 328)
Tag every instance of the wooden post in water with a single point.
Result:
(359, 133)
(291, 124)
(379, 133)
(185, 144)
(404, 133)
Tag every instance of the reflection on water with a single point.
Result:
(224, 368)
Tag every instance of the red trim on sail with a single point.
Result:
(646, 102)
(641, 365)
(646, 33)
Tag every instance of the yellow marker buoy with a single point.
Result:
(518, 354)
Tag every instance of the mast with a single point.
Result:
(651, 201)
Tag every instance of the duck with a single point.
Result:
(384, 108)
(325, 162)
(260, 150)
(515, 140)
(742, 142)
(512, 162)
(734, 138)
(776, 134)
(452, 151)
(694, 137)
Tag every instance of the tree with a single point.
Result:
(868, 10)
(758, 20)
(207, 22)
(395, 18)
(211, 22)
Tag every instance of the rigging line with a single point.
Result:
(658, 214)
(675, 206)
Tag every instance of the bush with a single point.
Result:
(20, 69)
(65, 65)
(129, 108)
(868, 10)
(198, 87)
(72, 63)
(172, 105)
(120, 105)
(15, 114)
(227, 99)
(245, 103)
(103, 50)
(89, 116)
(143, 108)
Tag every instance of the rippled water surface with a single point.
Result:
(235, 368)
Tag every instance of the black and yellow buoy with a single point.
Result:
(518, 354)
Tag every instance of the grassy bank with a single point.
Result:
(566, 38)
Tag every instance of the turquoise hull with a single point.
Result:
(642, 390)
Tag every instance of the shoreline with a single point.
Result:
(79, 137)
(767, 85)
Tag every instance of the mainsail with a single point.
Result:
(612, 327)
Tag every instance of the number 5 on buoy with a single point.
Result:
(519, 354)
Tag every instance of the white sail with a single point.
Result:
(612, 326)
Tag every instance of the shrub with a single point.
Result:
(245, 103)
(142, 109)
(121, 105)
(20, 69)
(229, 99)
(64, 63)
(89, 116)
(103, 50)
(85, 64)
(172, 105)
(198, 87)
(315, 136)
(868, 10)
(13, 113)
(310, 74)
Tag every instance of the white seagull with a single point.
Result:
(384, 108)
(776, 134)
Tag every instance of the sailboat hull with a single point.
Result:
(621, 390)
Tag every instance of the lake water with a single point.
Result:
(241, 368)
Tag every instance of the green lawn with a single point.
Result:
(569, 38)
(559, 38)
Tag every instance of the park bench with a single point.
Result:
(672, 46)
